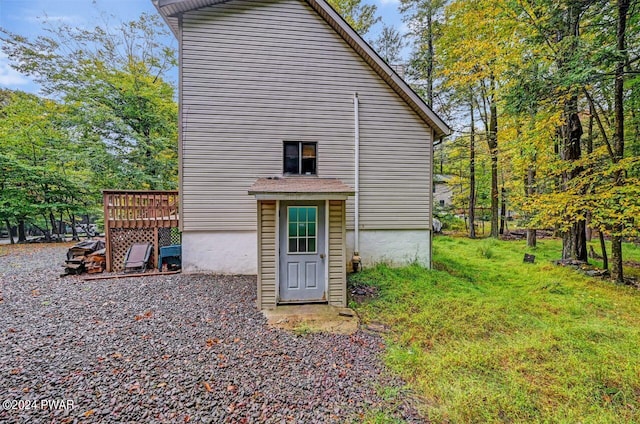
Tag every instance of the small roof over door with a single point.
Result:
(300, 188)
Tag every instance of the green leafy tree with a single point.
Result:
(112, 81)
(360, 16)
(43, 169)
(389, 44)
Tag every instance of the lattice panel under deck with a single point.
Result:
(123, 238)
(169, 236)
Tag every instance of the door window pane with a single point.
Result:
(302, 225)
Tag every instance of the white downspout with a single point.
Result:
(355, 260)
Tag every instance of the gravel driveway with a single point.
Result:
(181, 348)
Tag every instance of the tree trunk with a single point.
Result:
(74, 232)
(617, 271)
(529, 187)
(503, 209)
(603, 248)
(532, 240)
(430, 59)
(22, 234)
(472, 174)
(589, 146)
(54, 227)
(492, 140)
(574, 241)
(8, 224)
(61, 227)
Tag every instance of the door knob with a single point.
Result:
(322, 256)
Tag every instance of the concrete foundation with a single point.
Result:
(220, 252)
(237, 253)
(395, 247)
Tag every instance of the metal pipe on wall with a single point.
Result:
(355, 260)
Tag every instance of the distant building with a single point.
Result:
(399, 69)
(442, 190)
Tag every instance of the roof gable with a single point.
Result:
(171, 9)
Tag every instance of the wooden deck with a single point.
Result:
(146, 211)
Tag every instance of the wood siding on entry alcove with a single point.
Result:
(268, 256)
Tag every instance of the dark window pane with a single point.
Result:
(293, 245)
(291, 158)
(312, 229)
(302, 245)
(302, 229)
(312, 244)
(293, 230)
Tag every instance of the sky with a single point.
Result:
(24, 17)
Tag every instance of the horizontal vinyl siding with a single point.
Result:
(337, 272)
(257, 73)
(267, 254)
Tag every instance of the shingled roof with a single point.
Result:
(284, 186)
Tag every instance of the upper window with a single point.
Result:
(300, 158)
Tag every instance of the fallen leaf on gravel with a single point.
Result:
(12, 330)
(231, 388)
(117, 355)
(26, 390)
(236, 340)
(134, 387)
(231, 408)
(15, 371)
(146, 315)
(211, 342)
(35, 292)
(207, 387)
(187, 418)
(89, 413)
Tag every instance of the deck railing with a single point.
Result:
(141, 209)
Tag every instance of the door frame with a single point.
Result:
(326, 248)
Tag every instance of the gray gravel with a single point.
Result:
(182, 348)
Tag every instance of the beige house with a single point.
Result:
(442, 190)
(300, 149)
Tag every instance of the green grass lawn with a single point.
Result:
(486, 338)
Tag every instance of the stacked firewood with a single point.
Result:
(96, 262)
(86, 256)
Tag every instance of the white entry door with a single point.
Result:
(302, 252)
